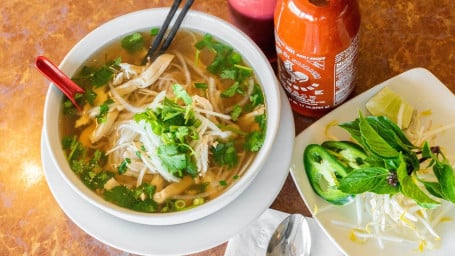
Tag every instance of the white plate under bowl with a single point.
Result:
(422, 90)
(141, 21)
(188, 237)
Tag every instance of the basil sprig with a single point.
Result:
(393, 164)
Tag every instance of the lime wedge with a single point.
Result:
(388, 103)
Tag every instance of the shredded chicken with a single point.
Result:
(104, 128)
(148, 77)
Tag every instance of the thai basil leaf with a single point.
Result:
(410, 189)
(390, 132)
(385, 188)
(373, 141)
(434, 188)
(446, 180)
(353, 129)
(367, 179)
(180, 92)
(443, 172)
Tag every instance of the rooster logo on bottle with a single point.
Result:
(297, 81)
(294, 76)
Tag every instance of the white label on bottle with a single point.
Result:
(345, 71)
(295, 75)
(300, 76)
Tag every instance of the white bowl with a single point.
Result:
(140, 21)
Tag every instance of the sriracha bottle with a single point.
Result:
(316, 43)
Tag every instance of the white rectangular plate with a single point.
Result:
(425, 92)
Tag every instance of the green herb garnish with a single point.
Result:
(139, 198)
(255, 139)
(386, 162)
(94, 77)
(201, 85)
(123, 166)
(89, 170)
(225, 154)
(133, 43)
(104, 109)
(236, 111)
(227, 64)
(154, 31)
(177, 127)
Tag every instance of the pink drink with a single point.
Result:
(255, 18)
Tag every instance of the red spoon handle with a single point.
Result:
(62, 81)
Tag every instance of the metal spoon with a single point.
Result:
(291, 238)
(63, 82)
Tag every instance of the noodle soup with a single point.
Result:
(169, 135)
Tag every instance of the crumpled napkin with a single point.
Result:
(253, 241)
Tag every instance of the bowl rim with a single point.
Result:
(142, 20)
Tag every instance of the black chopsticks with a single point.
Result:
(153, 51)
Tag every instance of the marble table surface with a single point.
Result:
(395, 36)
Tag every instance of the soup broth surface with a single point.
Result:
(167, 135)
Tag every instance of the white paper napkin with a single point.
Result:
(254, 239)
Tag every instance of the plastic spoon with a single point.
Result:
(291, 238)
(62, 81)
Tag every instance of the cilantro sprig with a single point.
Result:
(225, 154)
(176, 125)
(98, 77)
(133, 42)
(138, 198)
(88, 169)
(227, 64)
(104, 109)
(255, 139)
(89, 78)
(91, 172)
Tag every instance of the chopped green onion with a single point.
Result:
(154, 31)
(201, 85)
(236, 112)
(133, 43)
(123, 166)
(179, 204)
(198, 201)
(104, 109)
